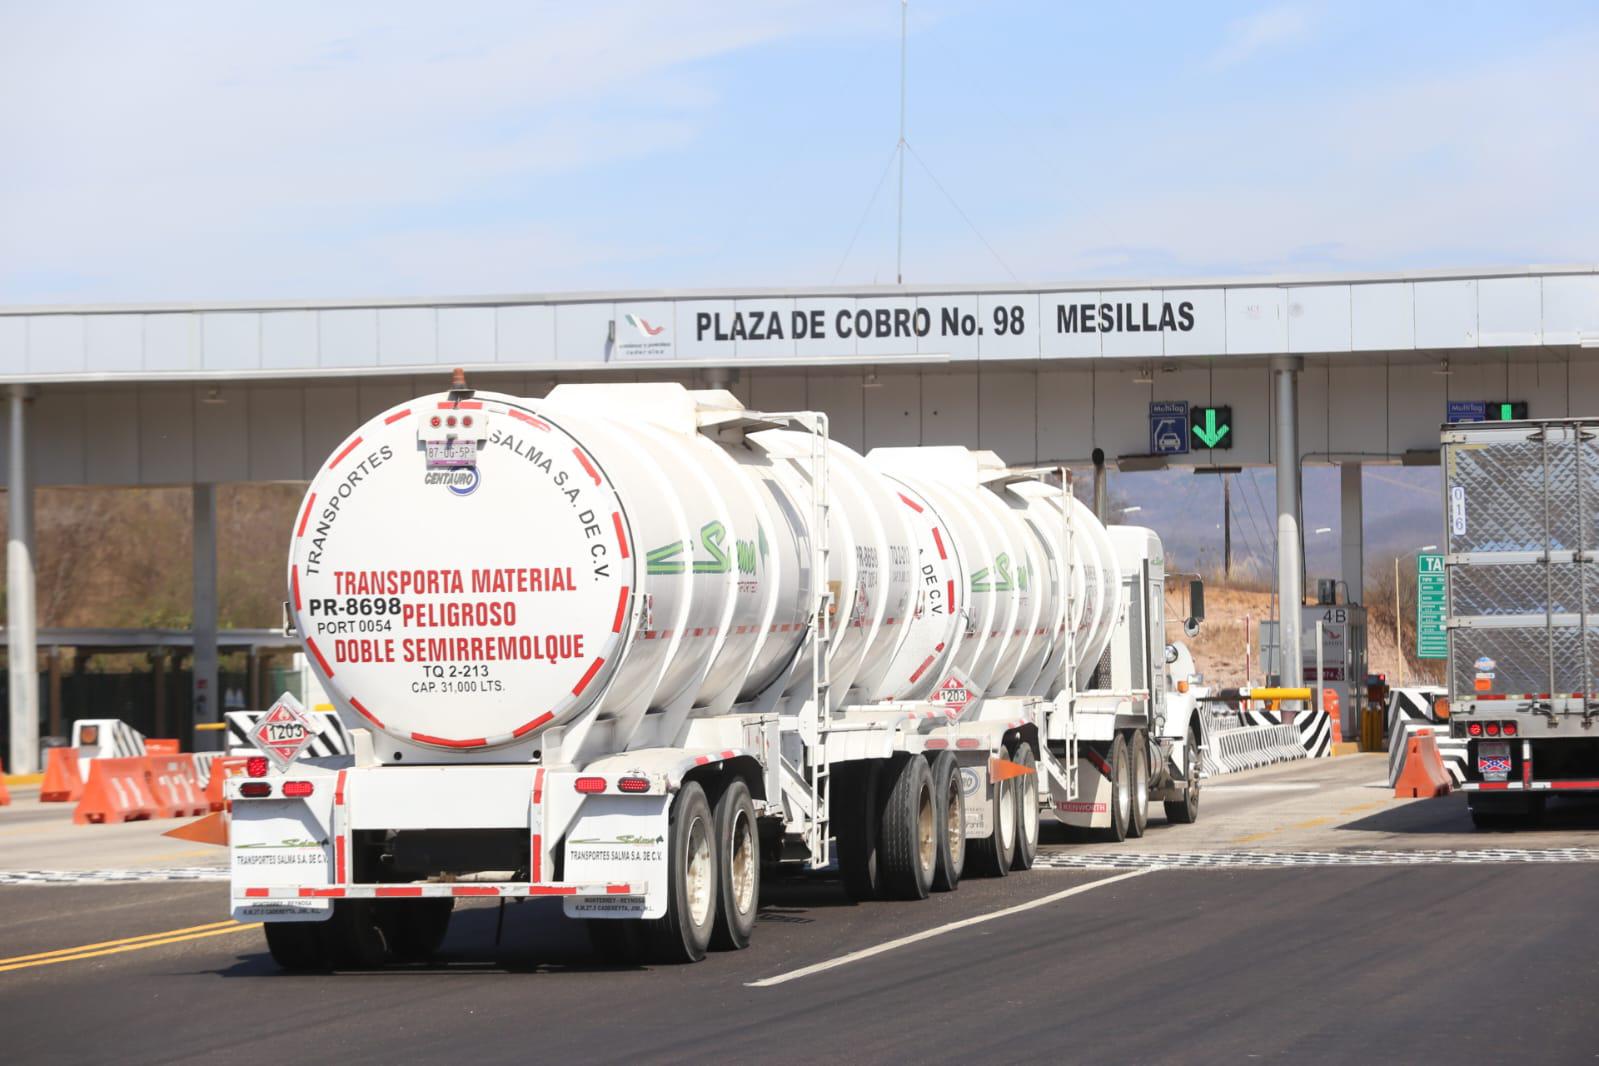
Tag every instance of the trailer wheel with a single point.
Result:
(299, 947)
(855, 818)
(1025, 788)
(1139, 768)
(1185, 811)
(991, 856)
(910, 830)
(1121, 792)
(951, 820)
(684, 932)
(414, 930)
(738, 865)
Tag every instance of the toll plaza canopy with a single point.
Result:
(1330, 369)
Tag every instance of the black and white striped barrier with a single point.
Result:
(1412, 704)
(331, 738)
(1452, 750)
(1313, 728)
(1249, 746)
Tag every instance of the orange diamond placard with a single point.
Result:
(284, 732)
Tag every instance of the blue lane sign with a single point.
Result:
(1168, 427)
(1468, 411)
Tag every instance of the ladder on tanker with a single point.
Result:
(818, 835)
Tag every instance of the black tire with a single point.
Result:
(951, 820)
(414, 929)
(738, 867)
(856, 817)
(1121, 792)
(683, 933)
(299, 947)
(1185, 811)
(1025, 789)
(354, 938)
(909, 842)
(991, 856)
(1138, 750)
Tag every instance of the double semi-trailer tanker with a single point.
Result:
(630, 645)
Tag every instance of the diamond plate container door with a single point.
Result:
(1519, 515)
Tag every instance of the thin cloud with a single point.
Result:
(1273, 27)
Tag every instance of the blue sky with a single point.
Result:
(168, 151)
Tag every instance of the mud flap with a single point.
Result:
(619, 840)
(1091, 808)
(279, 842)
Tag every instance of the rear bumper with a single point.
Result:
(1531, 786)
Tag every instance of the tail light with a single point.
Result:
(633, 784)
(590, 785)
(297, 789)
(1493, 729)
(256, 766)
(1510, 729)
(1475, 729)
(255, 789)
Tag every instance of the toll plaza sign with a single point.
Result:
(1432, 639)
(972, 325)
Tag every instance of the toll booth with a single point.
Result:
(1340, 629)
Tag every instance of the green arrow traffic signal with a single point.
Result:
(1212, 426)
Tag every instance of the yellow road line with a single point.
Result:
(24, 780)
(1364, 807)
(128, 947)
(228, 924)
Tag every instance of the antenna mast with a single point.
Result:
(899, 250)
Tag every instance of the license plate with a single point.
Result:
(452, 452)
(1493, 760)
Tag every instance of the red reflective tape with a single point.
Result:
(397, 890)
(474, 890)
(699, 632)
(348, 448)
(257, 893)
(338, 859)
(446, 742)
(588, 675)
(534, 724)
(701, 760)
(619, 890)
(939, 541)
(937, 744)
(364, 713)
(912, 504)
(1584, 785)
(538, 853)
(523, 416)
(729, 754)
(294, 582)
(922, 669)
(939, 647)
(396, 416)
(952, 595)
(323, 893)
(1097, 760)
(338, 789)
(305, 515)
(593, 473)
(326, 669)
(621, 611)
(461, 405)
(1493, 785)
(621, 534)
(538, 786)
(552, 890)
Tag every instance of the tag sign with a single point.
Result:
(955, 693)
(284, 732)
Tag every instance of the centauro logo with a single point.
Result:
(643, 326)
(462, 481)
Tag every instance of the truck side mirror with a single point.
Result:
(1196, 600)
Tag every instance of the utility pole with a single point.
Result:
(1227, 526)
(899, 250)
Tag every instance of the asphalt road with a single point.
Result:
(1468, 955)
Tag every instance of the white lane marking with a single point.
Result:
(928, 934)
(1262, 787)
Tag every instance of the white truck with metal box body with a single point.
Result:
(628, 645)
(1521, 515)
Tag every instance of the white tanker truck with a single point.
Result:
(630, 645)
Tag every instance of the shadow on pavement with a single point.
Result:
(1449, 814)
